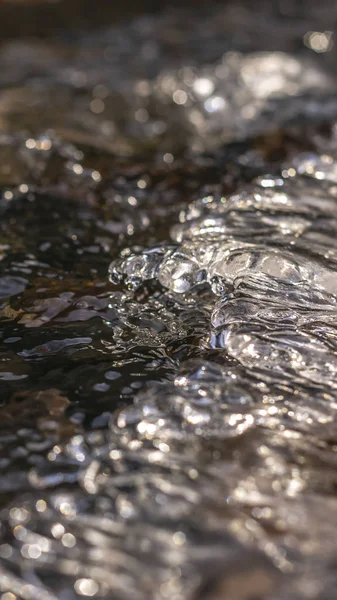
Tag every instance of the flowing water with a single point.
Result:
(168, 301)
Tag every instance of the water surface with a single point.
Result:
(168, 293)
